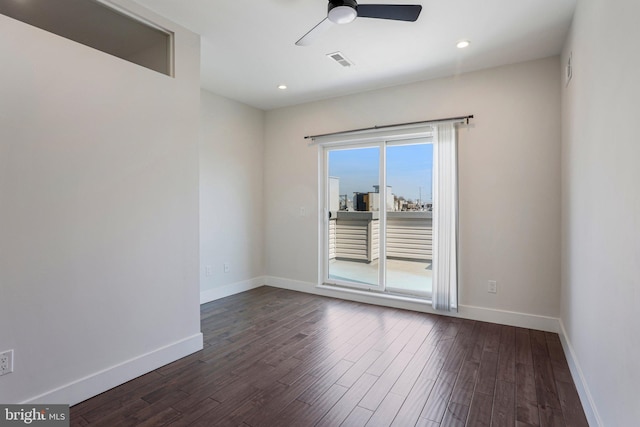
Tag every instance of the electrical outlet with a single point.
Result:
(492, 287)
(208, 271)
(6, 362)
(226, 267)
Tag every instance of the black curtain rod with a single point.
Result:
(390, 126)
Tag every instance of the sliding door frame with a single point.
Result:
(381, 143)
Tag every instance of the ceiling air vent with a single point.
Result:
(340, 59)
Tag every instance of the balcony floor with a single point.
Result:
(403, 277)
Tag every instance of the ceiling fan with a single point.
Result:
(345, 11)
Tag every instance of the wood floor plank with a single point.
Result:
(190, 413)
(358, 369)
(279, 399)
(572, 411)
(492, 341)
(546, 391)
(464, 341)
(385, 382)
(423, 329)
(551, 417)
(538, 341)
(123, 393)
(504, 405)
(153, 415)
(274, 357)
(357, 418)
(507, 355)
(300, 413)
(224, 410)
(561, 371)
(321, 355)
(409, 376)
(386, 412)
(117, 416)
(456, 415)
(414, 403)
(480, 410)
(78, 421)
(559, 363)
(554, 346)
(526, 395)
(523, 347)
(341, 410)
(325, 382)
(257, 404)
(477, 348)
(126, 403)
(488, 373)
(438, 400)
(465, 383)
(373, 338)
(393, 348)
(423, 422)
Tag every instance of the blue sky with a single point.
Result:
(409, 167)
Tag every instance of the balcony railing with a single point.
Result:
(355, 236)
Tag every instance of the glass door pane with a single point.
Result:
(409, 219)
(354, 213)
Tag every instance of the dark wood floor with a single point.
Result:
(279, 358)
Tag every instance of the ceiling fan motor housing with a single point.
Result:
(342, 11)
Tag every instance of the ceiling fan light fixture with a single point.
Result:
(342, 11)
(346, 11)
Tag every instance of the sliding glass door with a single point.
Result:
(408, 222)
(354, 211)
(379, 202)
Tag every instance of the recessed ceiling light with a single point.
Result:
(462, 44)
(282, 87)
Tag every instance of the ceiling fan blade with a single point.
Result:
(397, 12)
(315, 33)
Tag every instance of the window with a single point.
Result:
(95, 25)
(390, 212)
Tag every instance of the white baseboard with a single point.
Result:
(578, 378)
(511, 318)
(99, 382)
(230, 289)
(523, 320)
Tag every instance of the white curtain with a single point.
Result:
(445, 218)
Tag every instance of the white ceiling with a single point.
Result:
(248, 45)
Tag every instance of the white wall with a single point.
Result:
(509, 179)
(601, 209)
(231, 196)
(98, 213)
